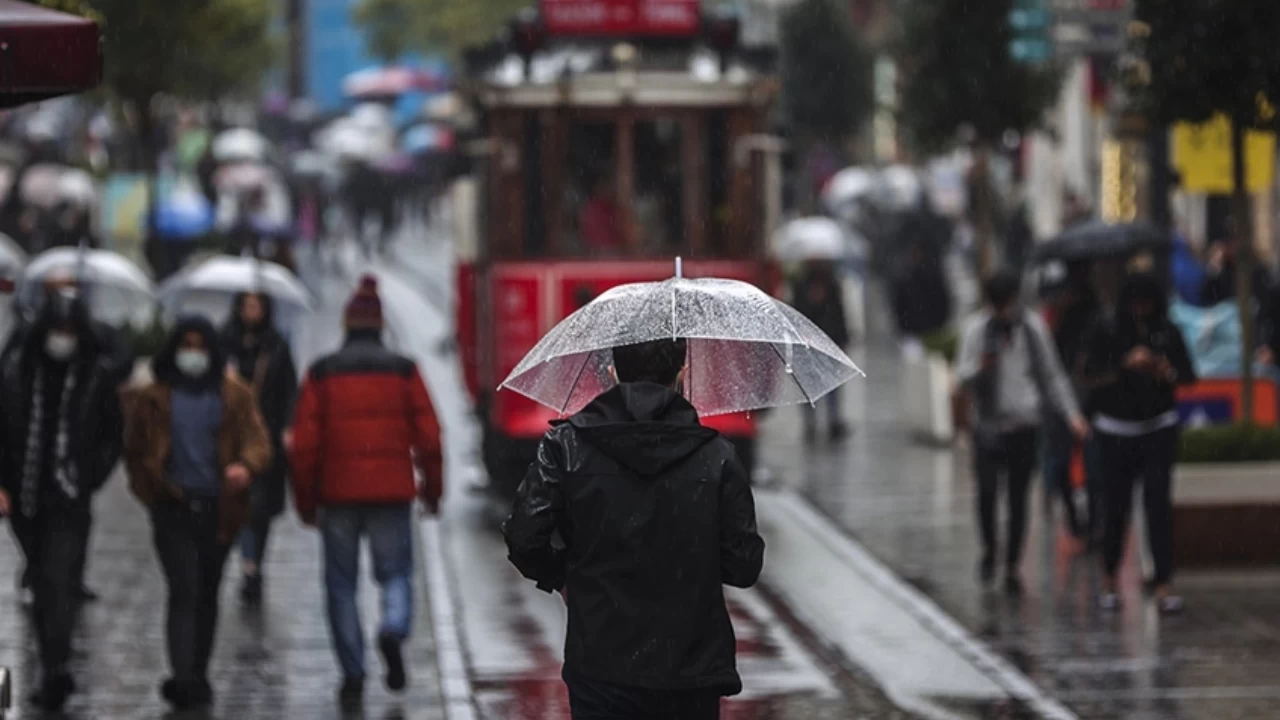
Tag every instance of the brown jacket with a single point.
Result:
(242, 438)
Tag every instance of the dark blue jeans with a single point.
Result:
(595, 700)
(390, 532)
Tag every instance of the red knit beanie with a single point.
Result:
(364, 310)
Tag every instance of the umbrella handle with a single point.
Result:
(679, 267)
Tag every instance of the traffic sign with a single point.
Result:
(1030, 22)
(1090, 27)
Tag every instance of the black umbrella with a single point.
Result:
(1095, 239)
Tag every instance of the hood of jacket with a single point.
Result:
(645, 427)
(165, 368)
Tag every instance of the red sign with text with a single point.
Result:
(621, 17)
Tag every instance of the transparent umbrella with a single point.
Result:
(231, 275)
(747, 351)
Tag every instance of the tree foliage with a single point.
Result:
(826, 72)
(1205, 57)
(395, 27)
(389, 27)
(959, 75)
(191, 49)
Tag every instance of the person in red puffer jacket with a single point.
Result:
(364, 424)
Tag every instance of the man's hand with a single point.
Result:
(1080, 428)
(238, 476)
(4, 503)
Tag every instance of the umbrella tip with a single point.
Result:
(679, 267)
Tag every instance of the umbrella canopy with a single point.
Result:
(12, 256)
(1097, 239)
(77, 186)
(239, 144)
(812, 238)
(233, 275)
(900, 188)
(184, 215)
(244, 176)
(117, 288)
(847, 186)
(347, 140)
(426, 137)
(391, 82)
(746, 350)
(41, 184)
(47, 54)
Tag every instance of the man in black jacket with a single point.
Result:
(654, 515)
(61, 438)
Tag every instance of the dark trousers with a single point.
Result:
(56, 543)
(1059, 444)
(1127, 460)
(1013, 456)
(595, 700)
(186, 539)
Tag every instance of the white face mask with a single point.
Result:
(60, 345)
(192, 363)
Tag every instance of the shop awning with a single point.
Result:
(44, 53)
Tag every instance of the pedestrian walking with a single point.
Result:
(364, 424)
(819, 296)
(261, 357)
(62, 435)
(921, 294)
(1010, 369)
(194, 442)
(639, 515)
(1136, 361)
(1075, 312)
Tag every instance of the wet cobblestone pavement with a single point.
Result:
(913, 508)
(269, 664)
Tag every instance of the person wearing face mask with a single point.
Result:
(1009, 366)
(194, 442)
(62, 433)
(1136, 361)
(263, 360)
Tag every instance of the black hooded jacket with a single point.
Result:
(656, 515)
(1130, 395)
(96, 429)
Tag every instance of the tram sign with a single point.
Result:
(621, 18)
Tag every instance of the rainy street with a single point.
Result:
(639, 360)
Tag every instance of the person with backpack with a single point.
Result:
(638, 516)
(1009, 366)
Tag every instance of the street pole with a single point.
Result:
(295, 19)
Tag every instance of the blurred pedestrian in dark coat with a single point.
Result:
(62, 434)
(263, 360)
(819, 296)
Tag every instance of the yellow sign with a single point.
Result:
(1202, 155)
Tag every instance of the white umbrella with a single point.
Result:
(115, 286)
(900, 188)
(239, 144)
(348, 141)
(12, 256)
(40, 184)
(847, 186)
(746, 350)
(811, 238)
(244, 176)
(234, 275)
(77, 186)
(372, 116)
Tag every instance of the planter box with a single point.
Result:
(926, 398)
(1226, 515)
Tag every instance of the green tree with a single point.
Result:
(1205, 57)
(959, 78)
(390, 27)
(826, 72)
(453, 26)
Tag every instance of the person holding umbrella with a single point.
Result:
(636, 512)
(261, 357)
(819, 295)
(61, 434)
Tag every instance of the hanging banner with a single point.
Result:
(622, 18)
(1202, 155)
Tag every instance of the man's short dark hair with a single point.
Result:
(657, 361)
(1001, 289)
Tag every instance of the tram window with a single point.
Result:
(534, 216)
(659, 186)
(718, 174)
(591, 197)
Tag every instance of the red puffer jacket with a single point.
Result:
(363, 423)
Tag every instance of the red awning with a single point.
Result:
(44, 53)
